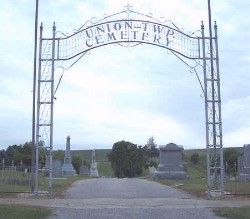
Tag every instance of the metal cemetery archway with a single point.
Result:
(129, 28)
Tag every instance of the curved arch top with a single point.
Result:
(127, 28)
(129, 32)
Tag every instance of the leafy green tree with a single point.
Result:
(18, 154)
(10, 154)
(59, 154)
(2, 155)
(151, 142)
(230, 158)
(127, 160)
(23, 153)
(151, 153)
(76, 162)
(195, 158)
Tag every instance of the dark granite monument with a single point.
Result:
(244, 164)
(67, 168)
(84, 170)
(171, 165)
(57, 168)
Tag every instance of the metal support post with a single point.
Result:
(33, 158)
(52, 109)
(222, 171)
(38, 112)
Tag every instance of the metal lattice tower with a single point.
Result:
(45, 102)
(215, 165)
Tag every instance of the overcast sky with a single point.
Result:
(115, 93)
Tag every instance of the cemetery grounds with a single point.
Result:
(18, 181)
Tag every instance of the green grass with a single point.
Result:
(23, 212)
(193, 186)
(196, 185)
(101, 154)
(202, 156)
(7, 174)
(60, 185)
(233, 213)
(237, 187)
(105, 169)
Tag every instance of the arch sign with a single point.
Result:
(129, 28)
(126, 31)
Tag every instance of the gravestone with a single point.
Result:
(93, 170)
(47, 165)
(171, 165)
(67, 168)
(57, 168)
(244, 164)
(84, 170)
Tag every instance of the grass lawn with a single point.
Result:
(196, 185)
(23, 212)
(60, 185)
(105, 169)
(233, 213)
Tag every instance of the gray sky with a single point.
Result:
(115, 93)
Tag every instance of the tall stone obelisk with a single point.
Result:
(67, 168)
(93, 170)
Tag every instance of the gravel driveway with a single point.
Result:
(128, 198)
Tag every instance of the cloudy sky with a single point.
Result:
(115, 93)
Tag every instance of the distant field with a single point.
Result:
(103, 165)
(101, 154)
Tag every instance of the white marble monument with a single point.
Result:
(93, 169)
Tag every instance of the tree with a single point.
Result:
(151, 148)
(151, 142)
(127, 160)
(3, 156)
(195, 158)
(18, 154)
(59, 155)
(10, 154)
(76, 162)
(22, 154)
(230, 158)
(151, 153)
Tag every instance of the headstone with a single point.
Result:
(93, 170)
(57, 168)
(84, 170)
(47, 162)
(244, 164)
(67, 168)
(171, 165)
(246, 155)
